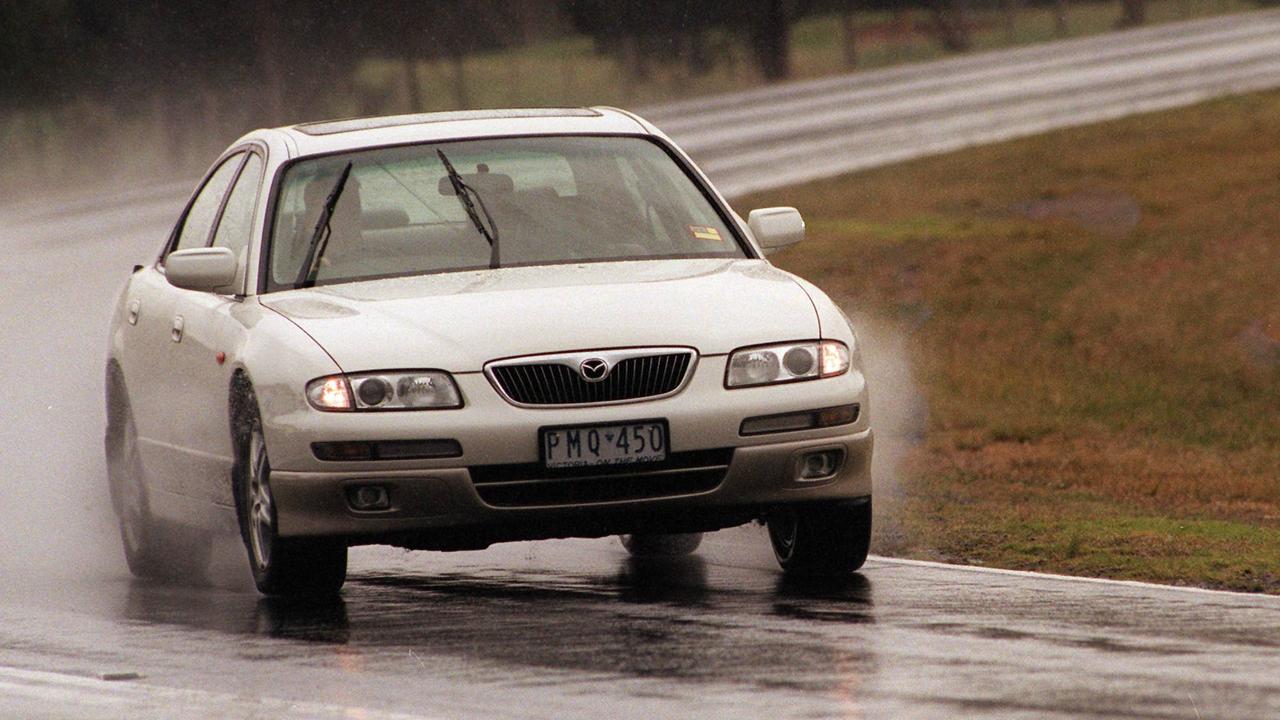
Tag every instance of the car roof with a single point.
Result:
(318, 138)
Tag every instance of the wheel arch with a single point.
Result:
(116, 398)
(239, 396)
(116, 406)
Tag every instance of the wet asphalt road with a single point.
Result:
(552, 630)
(565, 629)
(578, 629)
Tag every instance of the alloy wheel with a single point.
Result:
(133, 504)
(261, 504)
(784, 525)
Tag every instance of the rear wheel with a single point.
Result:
(661, 544)
(152, 548)
(821, 539)
(281, 566)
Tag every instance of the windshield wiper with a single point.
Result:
(320, 237)
(465, 193)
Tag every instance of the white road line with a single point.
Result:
(1255, 598)
(773, 137)
(875, 86)
(753, 536)
(1153, 39)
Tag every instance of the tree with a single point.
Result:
(1132, 13)
(951, 24)
(642, 35)
(849, 34)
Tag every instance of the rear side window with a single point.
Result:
(236, 224)
(199, 221)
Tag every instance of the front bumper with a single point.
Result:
(438, 498)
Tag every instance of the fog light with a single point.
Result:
(368, 498)
(821, 464)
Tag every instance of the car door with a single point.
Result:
(206, 344)
(154, 374)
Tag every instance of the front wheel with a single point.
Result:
(821, 539)
(281, 566)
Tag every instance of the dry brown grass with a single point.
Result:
(1092, 318)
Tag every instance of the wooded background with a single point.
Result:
(93, 90)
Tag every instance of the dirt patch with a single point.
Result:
(1260, 342)
(1109, 213)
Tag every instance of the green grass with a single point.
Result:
(1091, 317)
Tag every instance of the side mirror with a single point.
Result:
(201, 268)
(776, 228)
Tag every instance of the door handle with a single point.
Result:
(135, 307)
(176, 333)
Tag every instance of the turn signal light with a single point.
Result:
(805, 420)
(386, 450)
(331, 393)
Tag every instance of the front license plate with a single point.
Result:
(604, 444)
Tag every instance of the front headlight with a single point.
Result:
(786, 362)
(411, 390)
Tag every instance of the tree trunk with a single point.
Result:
(951, 23)
(1133, 13)
(39, 147)
(1060, 17)
(413, 90)
(902, 30)
(850, 35)
(771, 41)
(569, 76)
(518, 26)
(266, 45)
(1011, 21)
(461, 97)
(173, 117)
(635, 66)
(697, 58)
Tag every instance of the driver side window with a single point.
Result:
(199, 221)
(236, 225)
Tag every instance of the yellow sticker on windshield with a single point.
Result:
(705, 232)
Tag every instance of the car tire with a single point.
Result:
(288, 567)
(152, 548)
(821, 539)
(661, 544)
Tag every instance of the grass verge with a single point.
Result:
(1090, 319)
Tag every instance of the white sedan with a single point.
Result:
(449, 330)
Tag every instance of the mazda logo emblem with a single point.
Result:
(593, 369)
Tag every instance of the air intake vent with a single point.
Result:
(593, 378)
(531, 485)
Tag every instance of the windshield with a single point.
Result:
(553, 199)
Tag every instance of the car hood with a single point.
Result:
(459, 321)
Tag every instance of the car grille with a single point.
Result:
(532, 485)
(557, 381)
